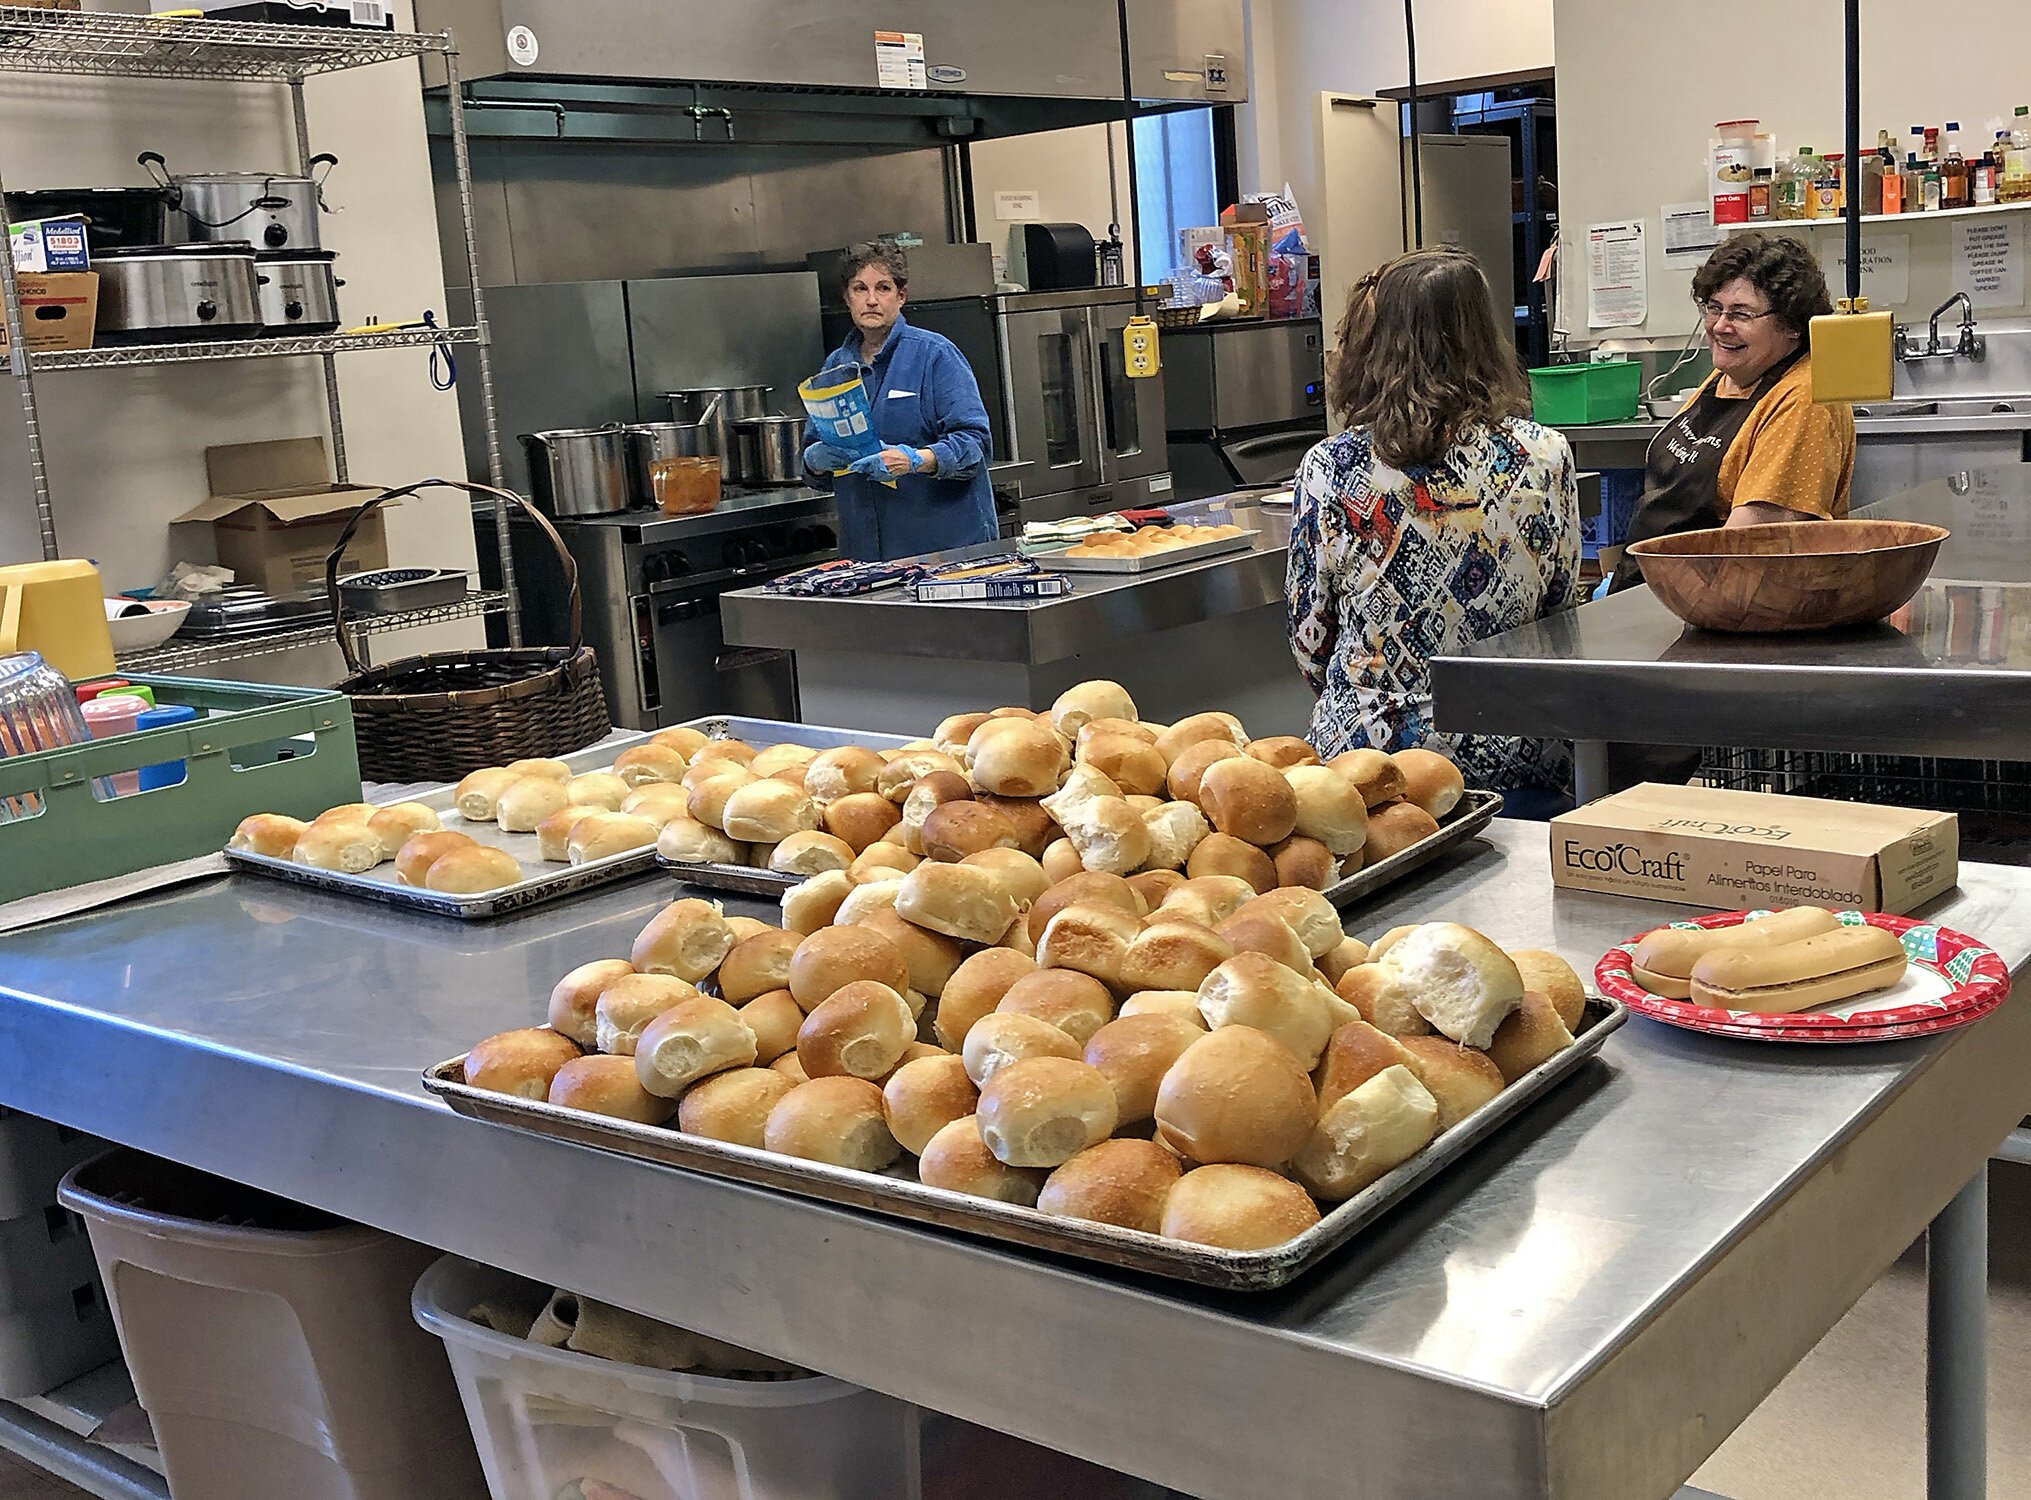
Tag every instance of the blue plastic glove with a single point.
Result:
(874, 466)
(823, 458)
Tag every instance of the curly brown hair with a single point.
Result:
(1421, 360)
(1783, 269)
(884, 253)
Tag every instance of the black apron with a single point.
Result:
(1682, 470)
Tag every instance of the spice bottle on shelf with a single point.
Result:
(1913, 184)
(1954, 191)
(2015, 185)
(1982, 174)
(1889, 182)
(1869, 180)
(1829, 188)
(1759, 194)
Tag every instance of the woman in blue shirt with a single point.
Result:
(928, 413)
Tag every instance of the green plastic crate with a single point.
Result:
(1576, 395)
(233, 759)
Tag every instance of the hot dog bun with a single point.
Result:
(1802, 975)
(1665, 959)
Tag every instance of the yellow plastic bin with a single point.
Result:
(553, 1422)
(270, 1343)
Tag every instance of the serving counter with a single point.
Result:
(1178, 638)
(1580, 1310)
(1948, 675)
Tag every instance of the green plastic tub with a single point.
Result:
(1576, 395)
(254, 748)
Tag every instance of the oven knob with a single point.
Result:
(276, 235)
(655, 570)
(206, 311)
(293, 311)
(677, 565)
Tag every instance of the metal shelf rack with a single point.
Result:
(91, 44)
(179, 656)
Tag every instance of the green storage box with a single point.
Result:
(1575, 395)
(254, 748)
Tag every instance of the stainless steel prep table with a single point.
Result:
(1583, 1311)
(1182, 638)
(1950, 677)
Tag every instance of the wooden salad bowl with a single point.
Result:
(1797, 575)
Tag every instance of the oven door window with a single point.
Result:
(1119, 399)
(1058, 356)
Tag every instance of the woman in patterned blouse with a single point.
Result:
(1441, 516)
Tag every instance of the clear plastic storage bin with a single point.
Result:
(547, 1419)
(270, 1343)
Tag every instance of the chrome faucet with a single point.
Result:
(1970, 345)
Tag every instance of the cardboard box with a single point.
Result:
(1741, 850)
(59, 311)
(276, 515)
(45, 245)
(1247, 226)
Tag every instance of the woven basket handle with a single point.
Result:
(338, 551)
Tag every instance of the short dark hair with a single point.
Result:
(884, 253)
(1783, 269)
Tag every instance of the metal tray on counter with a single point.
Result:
(898, 1194)
(1170, 557)
(1475, 812)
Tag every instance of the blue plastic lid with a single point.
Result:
(168, 714)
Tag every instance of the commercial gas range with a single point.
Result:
(651, 585)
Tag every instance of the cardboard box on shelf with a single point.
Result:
(1247, 226)
(1703, 846)
(58, 311)
(276, 514)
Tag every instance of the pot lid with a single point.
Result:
(215, 249)
(711, 390)
(181, 178)
(283, 257)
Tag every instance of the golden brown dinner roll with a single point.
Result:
(1330, 808)
(1151, 886)
(926, 1095)
(521, 1063)
(526, 803)
(1083, 784)
(1016, 758)
(833, 957)
(628, 1003)
(995, 1041)
(1043, 1111)
(739, 752)
(1383, 999)
(1303, 864)
(1084, 702)
(975, 990)
(599, 836)
(1462, 1079)
(1129, 761)
(1224, 854)
(345, 812)
(575, 998)
(1253, 989)
(812, 904)
(1379, 778)
(661, 802)
(953, 733)
(1085, 888)
(550, 770)
(810, 853)
(416, 856)
(1237, 1208)
(906, 768)
(1143, 806)
(858, 1031)
(926, 795)
(843, 772)
(701, 771)
(1356, 1054)
(961, 901)
(1345, 954)
(1378, 949)
(1135, 1052)
(708, 800)
(1207, 900)
(602, 1085)
(931, 956)
(1021, 876)
(1430, 780)
(1534, 1033)
(1095, 728)
(553, 834)
(688, 841)
(1282, 751)
(1189, 767)
(691, 1040)
(774, 758)
(869, 897)
(688, 939)
(733, 1106)
(1248, 800)
(396, 825)
(464, 872)
(1394, 827)
(744, 928)
(791, 775)
(476, 794)
(1091, 937)
(1236, 1095)
(1172, 955)
(757, 965)
(767, 812)
(639, 764)
(1269, 935)
(1109, 834)
(271, 834)
(1196, 729)
(1367, 1133)
(861, 818)
(1034, 827)
(840, 1121)
(775, 1018)
(1119, 1182)
(685, 740)
(601, 789)
(351, 848)
(1077, 1004)
(957, 1160)
(953, 829)
(1552, 977)
(1310, 915)
(1175, 830)
(1060, 860)
(1459, 980)
(883, 861)
(1181, 1003)
(788, 1064)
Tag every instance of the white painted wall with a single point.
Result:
(1066, 168)
(126, 447)
(1679, 69)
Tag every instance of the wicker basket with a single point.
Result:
(440, 716)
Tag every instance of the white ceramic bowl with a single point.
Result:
(144, 632)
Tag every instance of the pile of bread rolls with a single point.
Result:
(355, 837)
(1179, 1054)
(1147, 541)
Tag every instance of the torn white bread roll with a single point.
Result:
(1366, 1134)
(1459, 980)
(691, 1040)
(1044, 1111)
(1254, 990)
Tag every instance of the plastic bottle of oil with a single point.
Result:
(1954, 189)
(2016, 183)
(1791, 187)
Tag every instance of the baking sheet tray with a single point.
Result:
(1170, 557)
(900, 1195)
(544, 881)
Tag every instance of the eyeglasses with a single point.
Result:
(1713, 312)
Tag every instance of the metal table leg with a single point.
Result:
(1957, 1346)
(1590, 770)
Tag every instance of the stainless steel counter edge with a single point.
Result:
(1625, 432)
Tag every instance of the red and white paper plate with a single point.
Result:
(1952, 981)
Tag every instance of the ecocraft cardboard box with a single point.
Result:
(1700, 846)
(58, 311)
(276, 515)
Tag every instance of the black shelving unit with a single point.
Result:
(1529, 121)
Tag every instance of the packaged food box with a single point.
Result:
(58, 311)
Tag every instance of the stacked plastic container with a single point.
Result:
(54, 1324)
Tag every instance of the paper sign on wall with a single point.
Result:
(1988, 262)
(1617, 278)
(899, 60)
(1689, 230)
(1025, 205)
(1886, 269)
